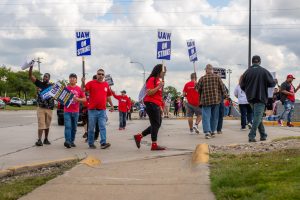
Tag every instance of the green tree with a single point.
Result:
(173, 91)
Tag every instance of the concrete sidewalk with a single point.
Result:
(168, 178)
(127, 172)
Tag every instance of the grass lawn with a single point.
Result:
(263, 176)
(8, 107)
(16, 188)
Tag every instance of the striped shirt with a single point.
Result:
(211, 89)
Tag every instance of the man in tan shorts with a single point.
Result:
(45, 108)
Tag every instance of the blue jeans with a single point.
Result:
(226, 111)
(246, 114)
(94, 117)
(258, 112)
(70, 119)
(210, 118)
(221, 114)
(122, 119)
(289, 109)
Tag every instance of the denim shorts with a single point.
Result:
(191, 110)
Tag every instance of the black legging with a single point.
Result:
(154, 114)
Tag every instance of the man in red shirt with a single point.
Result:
(71, 113)
(192, 103)
(99, 93)
(124, 106)
(288, 99)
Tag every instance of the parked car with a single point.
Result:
(5, 99)
(23, 102)
(34, 102)
(60, 114)
(2, 104)
(15, 101)
(29, 103)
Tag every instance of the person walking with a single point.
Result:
(255, 82)
(221, 112)
(245, 108)
(153, 101)
(167, 102)
(176, 106)
(193, 104)
(124, 105)
(130, 109)
(99, 92)
(210, 88)
(288, 92)
(44, 109)
(71, 113)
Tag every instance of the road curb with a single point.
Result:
(201, 154)
(11, 171)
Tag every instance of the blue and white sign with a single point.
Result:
(192, 50)
(163, 44)
(83, 43)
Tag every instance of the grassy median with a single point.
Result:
(260, 176)
(12, 188)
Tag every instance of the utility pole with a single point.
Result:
(249, 45)
(38, 60)
(229, 71)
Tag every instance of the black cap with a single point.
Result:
(123, 91)
(47, 74)
(256, 59)
(72, 75)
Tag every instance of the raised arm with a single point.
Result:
(31, 77)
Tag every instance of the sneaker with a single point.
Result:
(219, 132)
(280, 122)
(249, 126)
(46, 141)
(196, 129)
(92, 146)
(73, 145)
(105, 145)
(289, 124)
(85, 135)
(155, 147)
(120, 129)
(191, 131)
(39, 143)
(137, 139)
(213, 135)
(243, 129)
(67, 145)
(263, 139)
(207, 136)
(252, 140)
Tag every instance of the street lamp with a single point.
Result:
(144, 73)
(229, 71)
(38, 60)
(249, 45)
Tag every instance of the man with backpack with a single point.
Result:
(288, 91)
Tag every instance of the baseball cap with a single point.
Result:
(123, 91)
(290, 76)
(256, 59)
(72, 75)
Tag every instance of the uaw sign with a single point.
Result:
(83, 43)
(192, 50)
(163, 45)
(221, 72)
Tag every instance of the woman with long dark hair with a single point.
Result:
(153, 102)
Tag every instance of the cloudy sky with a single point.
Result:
(126, 30)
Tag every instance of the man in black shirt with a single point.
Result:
(45, 108)
(255, 82)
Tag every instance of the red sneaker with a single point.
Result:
(120, 129)
(155, 147)
(137, 139)
(289, 124)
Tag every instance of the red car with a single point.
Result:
(5, 99)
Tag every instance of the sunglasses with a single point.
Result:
(100, 74)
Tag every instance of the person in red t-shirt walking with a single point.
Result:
(288, 99)
(124, 106)
(100, 93)
(192, 105)
(153, 101)
(71, 113)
